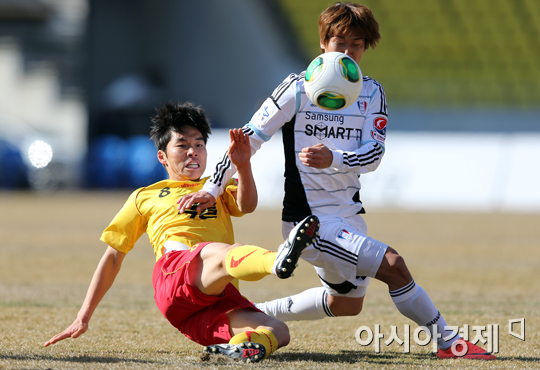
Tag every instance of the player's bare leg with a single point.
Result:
(242, 320)
(393, 271)
(255, 335)
(345, 306)
(212, 277)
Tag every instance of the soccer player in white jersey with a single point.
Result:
(325, 154)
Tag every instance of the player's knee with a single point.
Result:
(396, 262)
(280, 331)
(345, 306)
(393, 270)
(284, 335)
(348, 311)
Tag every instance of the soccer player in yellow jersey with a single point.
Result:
(196, 256)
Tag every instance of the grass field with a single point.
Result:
(479, 269)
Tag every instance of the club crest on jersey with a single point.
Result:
(344, 234)
(362, 105)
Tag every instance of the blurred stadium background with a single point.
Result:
(79, 80)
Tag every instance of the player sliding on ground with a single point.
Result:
(325, 154)
(197, 260)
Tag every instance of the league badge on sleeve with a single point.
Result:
(379, 131)
(380, 125)
(265, 112)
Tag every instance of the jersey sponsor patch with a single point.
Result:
(322, 131)
(326, 117)
(265, 112)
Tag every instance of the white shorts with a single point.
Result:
(344, 256)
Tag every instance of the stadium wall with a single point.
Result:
(426, 171)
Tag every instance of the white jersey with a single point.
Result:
(355, 135)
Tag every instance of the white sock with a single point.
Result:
(311, 304)
(413, 302)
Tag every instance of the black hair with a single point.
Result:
(172, 116)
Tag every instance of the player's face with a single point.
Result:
(351, 44)
(185, 157)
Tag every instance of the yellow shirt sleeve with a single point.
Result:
(228, 198)
(126, 227)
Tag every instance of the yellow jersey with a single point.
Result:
(152, 209)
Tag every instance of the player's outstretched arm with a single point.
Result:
(102, 280)
(240, 156)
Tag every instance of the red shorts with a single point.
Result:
(200, 317)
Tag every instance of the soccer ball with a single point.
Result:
(333, 81)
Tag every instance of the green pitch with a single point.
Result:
(479, 269)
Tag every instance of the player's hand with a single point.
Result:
(239, 149)
(318, 156)
(204, 199)
(75, 330)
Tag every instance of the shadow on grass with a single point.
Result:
(518, 358)
(352, 357)
(85, 359)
